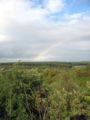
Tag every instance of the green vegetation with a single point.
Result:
(45, 91)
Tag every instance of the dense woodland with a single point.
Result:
(45, 91)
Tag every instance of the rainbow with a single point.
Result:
(45, 52)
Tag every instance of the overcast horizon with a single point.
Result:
(44, 30)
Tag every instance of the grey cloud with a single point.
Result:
(27, 41)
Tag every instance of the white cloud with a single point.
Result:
(4, 38)
(19, 10)
(54, 5)
(23, 10)
(73, 16)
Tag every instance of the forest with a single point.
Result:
(45, 91)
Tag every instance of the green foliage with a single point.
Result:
(67, 105)
(44, 93)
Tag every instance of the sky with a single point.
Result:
(44, 30)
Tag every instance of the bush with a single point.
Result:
(26, 96)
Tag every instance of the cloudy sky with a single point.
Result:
(44, 30)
